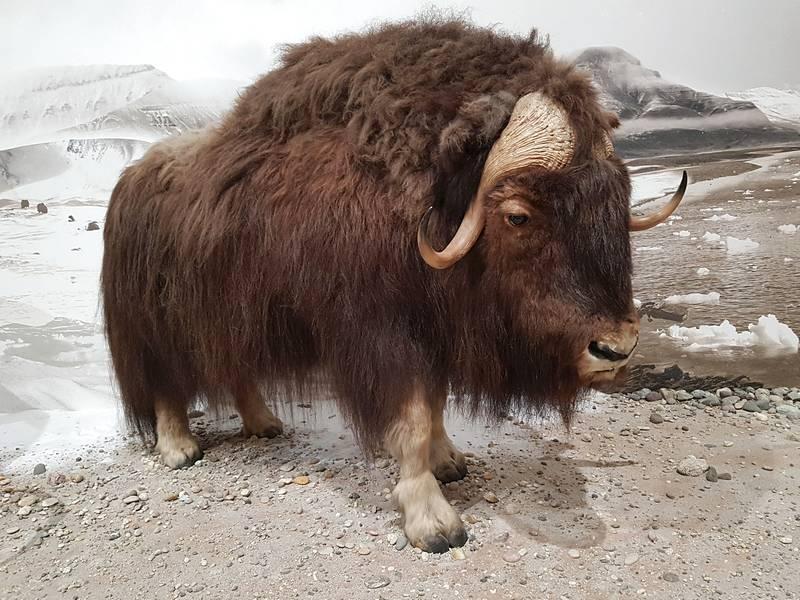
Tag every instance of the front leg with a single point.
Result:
(429, 521)
(447, 462)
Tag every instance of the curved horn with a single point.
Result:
(642, 223)
(538, 134)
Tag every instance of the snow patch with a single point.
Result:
(694, 298)
(725, 217)
(737, 246)
(788, 229)
(703, 271)
(711, 237)
(767, 332)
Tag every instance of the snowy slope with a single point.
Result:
(780, 106)
(38, 102)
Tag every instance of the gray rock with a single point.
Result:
(656, 418)
(763, 403)
(789, 410)
(793, 396)
(691, 466)
(670, 577)
(668, 395)
(724, 392)
(24, 204)
(724, 476)
(751, 406)
(699, 394)
(92, 226)
(683, 396)
(711, 475)
(41, 208)
(39, 469)
(712, 401)
(653, 397)
(780, 391)
(401, 542)
(374, 583)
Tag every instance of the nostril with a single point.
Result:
(603, 351)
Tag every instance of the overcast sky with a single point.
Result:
(713, 45)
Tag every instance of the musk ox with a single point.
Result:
(424, 210)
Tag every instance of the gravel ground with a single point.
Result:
(602, 511)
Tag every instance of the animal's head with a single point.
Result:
(551, 221)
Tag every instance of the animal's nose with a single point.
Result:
(609, 351)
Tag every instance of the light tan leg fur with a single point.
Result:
(257, 418)
(447, 463)
(429, 521)
(176, 444)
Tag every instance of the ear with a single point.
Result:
(476, 126)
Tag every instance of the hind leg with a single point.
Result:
(176, 444)
(428, 520)
(447, 463)
(257, 418)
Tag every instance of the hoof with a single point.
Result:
(448, 463)
(179, 454)
(439, 543)
(269, 429)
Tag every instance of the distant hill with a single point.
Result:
(780, 106)
(659, 116)
(69, 131)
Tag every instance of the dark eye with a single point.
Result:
(517, 220)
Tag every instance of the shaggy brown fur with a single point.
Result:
(280, 247)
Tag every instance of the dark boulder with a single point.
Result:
(24, 204)
(42, 208)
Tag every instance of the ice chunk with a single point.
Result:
(711, 237)
(737, 246)
(703, 271)
(789, 229)
(682, 233)
(695, 298)
(637, 303)
(767, 332)
(725, 217)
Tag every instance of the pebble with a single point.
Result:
(692, 466)
(48, 502)
(683, 396)
(785, 540)
(724, 392)
(751, 406)
(375, 583)
(491, 498)
(27, 501)
(656, 418)
(573, 553)
(302, 480)
(24, 511)
(12, 530)
(711, 475)
(724, 476)
(511, 557)
(363, 550)
(286, 467)
(401, 542)
(245, 492)
(130, 499)
(653, 397)
(39, 469)
(631, 559)
(671, 577)
(76, 478)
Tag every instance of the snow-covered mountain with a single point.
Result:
(661, 116)
(69, 131)
(780, 106)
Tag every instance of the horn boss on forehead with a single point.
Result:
(538, 134)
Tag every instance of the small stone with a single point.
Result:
(27, 501)
(763, 403)
(457, 554)
(668, 395)
(672, 494)
(48, 502)
(724, 392)
(692, 466)
(656, 418)
(739, 403)
(39, 469)
(751, 406)
(301, 480)
(76, 478)
(12, 530)
(171, 497)
(724, 476)
(671, 577)
(653, 397)
(363, 550)
(401, 542)
(793, 396)
(785, 540)
(491, 498)
(712, 401)
(286, 467)
(631, 559)
(375, 583)
(130, 499)
(683, 396)
(789, 410)
(24, 511)
(511, 557)
(245, 492)
(92, 226)
(573, 553)
(711, 475)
